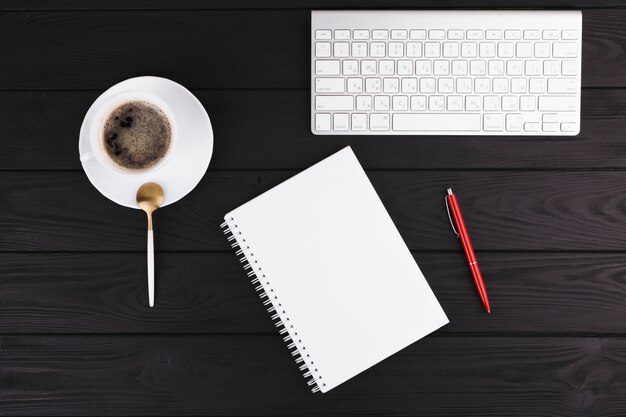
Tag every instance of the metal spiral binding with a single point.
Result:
(306, 365)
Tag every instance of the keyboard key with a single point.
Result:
(558, 103)
(459, 67)
(564, 49)
(487, 49)
(478, 67)
(322, 121)
(436, 122)
(436, 103)
(519, 86)
(468, 49)
(405, 67)
(568, 127)
(359, 121)
(532, 34)
(323, 34)
(364, 103)
(396, 49)
(527, 103)
(342, 34)
(380, 34)
(550, 118)
(377, 49)
(361, 34)
(463, 85)
(330, 103)
(506, 49)
(473, 103)
(423, 67)
(432, 49)
(386, 67)
(400, 103)
(445, 85)
(509, 103)
(513, 122)
(454, 103)
(372, 85)
(493, 122)
(379, 121)
(381, 103)
(493, 35)
(532, 68)
(491, 103)
(418, 103)
(327, 67)
(441, 67)
(537, 85)
(514, 67)
(340, 121)
(355, 85)
(524, 50)
(562, 85)
(542, 50)
(496, 67)
(455, 34)
(436, 34)
(322, 49)
(500, 85)
(329, 85)
(399, 34)
(532, 127)
(569, 67)
(569, 34)
(427, 85)
(551, 34)
(450, 49)
(513, 34)
(414, 49)
(482, 85)
(551, 67)
(368, 67)
(341, 49)
(409, 85)
(550, 127)
(359, 49)
(474, 34)
(350, 67)
(418, 34)
(391, 85)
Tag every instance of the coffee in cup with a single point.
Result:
(136, 135)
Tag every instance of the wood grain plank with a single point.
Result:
(236, 375)
(505, 210)
(41, 130)
(212, 49)
(287, 4)
(207, 293)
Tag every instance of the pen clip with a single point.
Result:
(450, 217)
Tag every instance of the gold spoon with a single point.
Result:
(150, 198)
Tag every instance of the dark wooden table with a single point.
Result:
(547, 215)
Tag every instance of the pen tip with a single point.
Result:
(489, 311)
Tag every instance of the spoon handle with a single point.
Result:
(150, 263)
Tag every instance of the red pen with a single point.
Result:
(454, 212)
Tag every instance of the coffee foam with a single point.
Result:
(136, 135)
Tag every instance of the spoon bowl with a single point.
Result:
(149, 198)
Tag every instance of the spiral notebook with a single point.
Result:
(333, 271)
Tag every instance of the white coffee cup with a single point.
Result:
(97, 150)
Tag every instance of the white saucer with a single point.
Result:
(185, 166)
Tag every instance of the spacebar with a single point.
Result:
(437, 122)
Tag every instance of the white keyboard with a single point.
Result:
(445, 72)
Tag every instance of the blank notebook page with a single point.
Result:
(336, 270)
